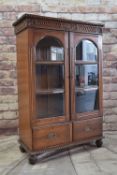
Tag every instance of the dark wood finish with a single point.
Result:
(49, 62)
(87, 129)
(35, 21)
(53, 135)
(42, 82)
(23, 74)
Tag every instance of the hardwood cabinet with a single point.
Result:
(59, 65)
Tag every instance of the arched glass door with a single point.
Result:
(86, 77)
(86, 72)
(49, 78)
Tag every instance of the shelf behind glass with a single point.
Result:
(86, 88)
(49, 91)
(50, 48)
(50, 105)
(49, 77)
(50, 53)
(49, 62)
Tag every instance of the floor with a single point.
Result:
(81, 160)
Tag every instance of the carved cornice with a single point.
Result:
(34, 21)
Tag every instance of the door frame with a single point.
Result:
(75, 38)
(63, 37)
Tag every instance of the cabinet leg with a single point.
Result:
(99, 143)
(32, 159)
(22, 149)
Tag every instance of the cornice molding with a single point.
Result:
(34, 21)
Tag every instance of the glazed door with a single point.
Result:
(86, 76)
(51, 82)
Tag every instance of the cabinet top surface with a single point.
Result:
(36, 21)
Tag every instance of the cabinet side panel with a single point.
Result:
(25, 132)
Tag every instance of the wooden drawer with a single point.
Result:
(50, 136)
(87, 129)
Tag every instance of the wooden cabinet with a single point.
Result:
(59, 65)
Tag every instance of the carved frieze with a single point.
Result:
(35, 21)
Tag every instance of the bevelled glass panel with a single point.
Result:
(51, 105)
(49, 76)
(86, 50)
(87, 100)
(86, 75)
(49, 49)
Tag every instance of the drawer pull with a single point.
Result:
(51, 135)
(87, 129)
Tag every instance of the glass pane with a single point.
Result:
(49, 76)
(87, 100)
(86, 75)
(50, 49)
(86, 90)
(56, 54)
(86, 51)
(51, 105)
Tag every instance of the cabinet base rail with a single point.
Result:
(37, 156)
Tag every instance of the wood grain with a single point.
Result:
(23, 88)
(87, 129)
(53, 135)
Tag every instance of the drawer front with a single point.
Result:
(87, 129)
(54, 135)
